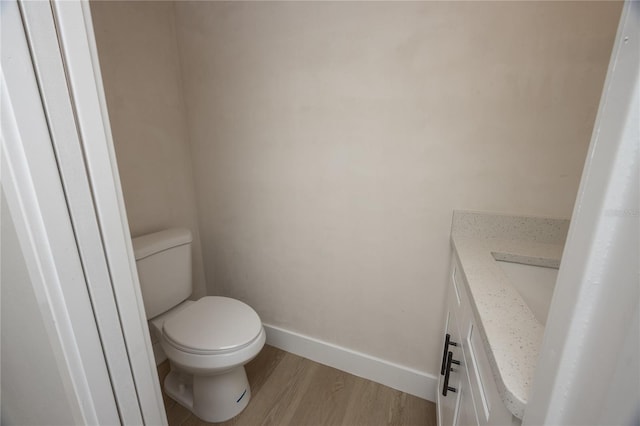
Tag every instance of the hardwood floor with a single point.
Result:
(290, 390)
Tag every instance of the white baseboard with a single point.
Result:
(395, 376)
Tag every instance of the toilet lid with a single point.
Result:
(212, 324)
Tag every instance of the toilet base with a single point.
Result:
(216, 398)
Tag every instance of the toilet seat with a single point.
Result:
(213, 325)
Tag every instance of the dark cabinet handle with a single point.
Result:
(447, 342)
(445, 386)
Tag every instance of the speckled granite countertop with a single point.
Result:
(511, 334)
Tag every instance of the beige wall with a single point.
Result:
(326, 144)
(331, 142)
(141, 75)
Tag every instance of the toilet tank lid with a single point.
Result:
(146, 245)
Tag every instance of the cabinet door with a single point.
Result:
(466, 411)
(490, 408)
(448, 406)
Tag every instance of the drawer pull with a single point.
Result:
(445, 386)
(447, 342)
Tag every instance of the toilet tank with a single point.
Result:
(163, 260)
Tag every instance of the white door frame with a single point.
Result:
(588, 372)
(60, 177)
(36, 202)
(79, 51)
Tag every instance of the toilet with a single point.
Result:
(207, 341)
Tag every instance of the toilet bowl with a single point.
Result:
(207, 341)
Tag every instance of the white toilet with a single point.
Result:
(207, 341)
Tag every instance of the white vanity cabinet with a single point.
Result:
(467, 392)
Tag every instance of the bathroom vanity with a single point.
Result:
(501, 281)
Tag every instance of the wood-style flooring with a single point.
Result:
(290, 390)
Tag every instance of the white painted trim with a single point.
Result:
(378, 370)
(588, 367)
(36, 202)
(78, 47)
(54, 91)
